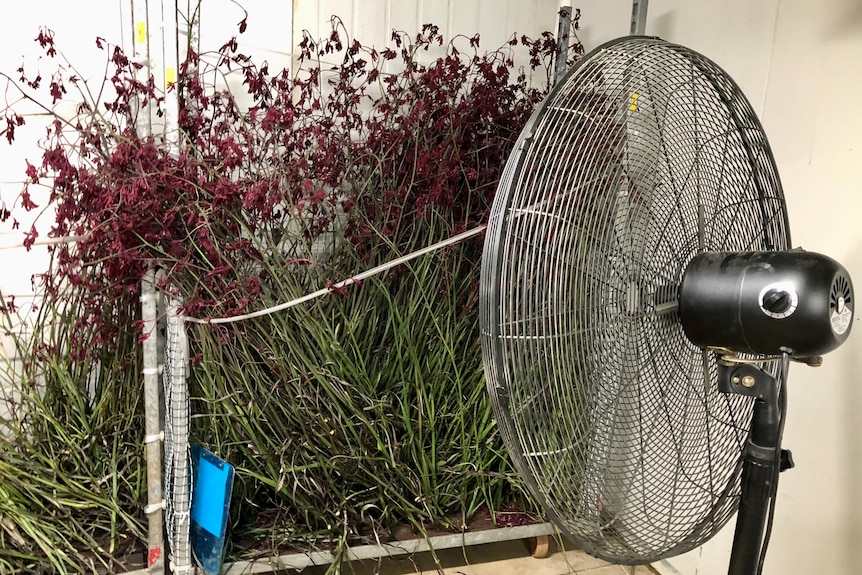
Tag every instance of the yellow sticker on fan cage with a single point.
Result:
(141, 32)
(634, 105)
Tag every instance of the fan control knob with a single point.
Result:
(777, 301)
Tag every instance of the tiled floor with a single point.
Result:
(504, 558)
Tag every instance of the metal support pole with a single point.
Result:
(170, 62)
(153, 427)
(639, 12)
(141, 56)
(564, 24)
(177, 477)
(154, 509)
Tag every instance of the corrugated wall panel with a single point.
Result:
(437, 12)
(371, 21)
(403, 15)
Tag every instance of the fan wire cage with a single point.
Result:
(645, 154)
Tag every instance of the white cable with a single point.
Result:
(344, 283)
(46, 242)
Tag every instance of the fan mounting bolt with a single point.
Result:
(746, 380)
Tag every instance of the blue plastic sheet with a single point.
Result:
(213, 485)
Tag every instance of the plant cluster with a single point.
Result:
(344, 417)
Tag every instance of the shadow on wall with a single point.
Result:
(851, 401)
(662, 25)
(846, 22)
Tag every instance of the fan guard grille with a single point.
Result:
(645, 154)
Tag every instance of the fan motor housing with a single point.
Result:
(764, 302)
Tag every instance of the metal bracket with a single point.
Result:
(744, 379)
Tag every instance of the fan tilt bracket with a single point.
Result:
(745, 378)
(751, 380)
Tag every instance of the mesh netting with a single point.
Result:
(177, 456)
(644, 155)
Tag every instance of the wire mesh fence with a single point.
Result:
(178, 472)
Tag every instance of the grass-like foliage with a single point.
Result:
(344, 417)
(71, 451)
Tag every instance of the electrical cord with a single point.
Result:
(343, 283)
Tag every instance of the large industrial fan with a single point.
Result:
(640, 304)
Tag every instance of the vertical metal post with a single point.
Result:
(178, 473)
(191, 21)
(170, 40)
(153, 427)
(639, 12)
(152, 403)
(141, 56)
(564, 24)
(177, 476)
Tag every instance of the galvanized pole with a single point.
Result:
(170, 41)
(564, 24)
(153, 427)
(639, 12)
(154, 435)
(141, 56)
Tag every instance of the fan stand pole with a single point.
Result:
(761, 464)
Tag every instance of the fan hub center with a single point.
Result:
(634, 297)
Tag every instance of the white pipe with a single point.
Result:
(178, 476)
(310, 559)
(345, 282)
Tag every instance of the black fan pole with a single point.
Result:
(759, 469)
(758, 475)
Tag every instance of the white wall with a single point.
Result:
(18, 35)
(75, 36)
(799, 64)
